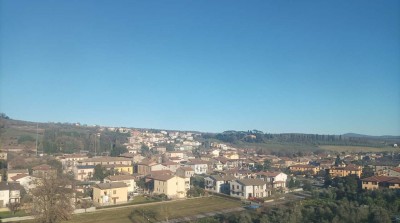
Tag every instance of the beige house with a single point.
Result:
(83, 173)
(110, 193)
(172, 186)
(106, 160)
(378, 182)
(69, 161)
(345, 171)
(304, 168)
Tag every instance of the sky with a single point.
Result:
(322, 67)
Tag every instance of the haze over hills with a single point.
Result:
(18, 135)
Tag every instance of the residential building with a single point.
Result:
(345, 171)
(248, 188)
(129, 180)
(172, 186)
(9, 193)
(185, 172)
(12, 173)
(273, 179)
(26, 181)
(69, 161)
(83, 173)
(378, 182)
(106, 160)
(301, 168)
(146, 166)
(218, 184)
(110, 193)
(44, 170)
(394, 172)
(171, 165)
(3, 155)
(199, 166)
(120, 168)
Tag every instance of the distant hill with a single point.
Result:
(20, 136)
(349, 135)
(17, 135)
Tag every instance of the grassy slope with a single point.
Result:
(159, 211)
(357, 149)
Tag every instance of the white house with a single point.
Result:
(129, 180)
(273, 179)
(9, 193)
(218, 184)
(15, 172)
(199, 166)
(247, 188)
(26, 181)
(215, 153)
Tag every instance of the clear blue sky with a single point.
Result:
(327, 67)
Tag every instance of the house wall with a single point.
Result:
(392, 173)
(394, 186)
(369, 185)
(4, 197)
(27, 182)
(199, 168)
(173, 188)
(110, 196)
(125, 169)
(130, 183)
(158, 167)
(83, 174)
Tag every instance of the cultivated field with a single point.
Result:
(157, 212)
(358, 149)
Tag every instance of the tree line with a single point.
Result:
(256, 136)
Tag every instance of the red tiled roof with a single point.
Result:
(268, 174)
(380, 179)
(42, 167)
(18, 176)
(397, 169)
(303, 166)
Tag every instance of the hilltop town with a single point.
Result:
(160, 165)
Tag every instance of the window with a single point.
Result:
(115, 192)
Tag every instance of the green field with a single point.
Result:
(357, 149)
(158, 212)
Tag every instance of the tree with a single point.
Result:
(291, 183)
(52, 200)
(144, 150)
(367, 172)
(85, 204)
(56, 165)
(267, 164)
(307, 185)
(100, 172)
(118, 150)
(14, 207)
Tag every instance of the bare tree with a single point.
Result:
(14, 207)
(52, 200)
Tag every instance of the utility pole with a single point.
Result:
(37, 127)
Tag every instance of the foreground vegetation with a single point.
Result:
(344, 202)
